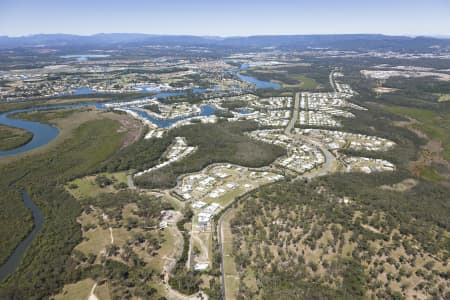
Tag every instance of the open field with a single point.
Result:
(82, 290)
(76, 291)
(11, 137)
(94, 240)
(435, 126)
(290, 77)
(383, 90)
(88, 187)
(305, 82)
(103, 292)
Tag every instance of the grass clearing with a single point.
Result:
(94, 241)
(82, 188)
(168, 248)
(430, 174)
(305, 82)
(102, 292)
(436, 125)
(76, 291)
(121, 235)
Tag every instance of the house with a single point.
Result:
(212, 208)
(217, 193)
(231, 185)
(163, 224)
(203, 218)
(201, 266)
(198, 204)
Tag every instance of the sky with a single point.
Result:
(225, 17)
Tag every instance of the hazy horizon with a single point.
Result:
(226, 36)
(225, 19)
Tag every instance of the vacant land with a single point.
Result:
(434, 162)
(93, 185)
(76, 291)
(11, 137)
(295, 75)
(305, 82)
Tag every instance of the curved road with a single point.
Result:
(327, 167)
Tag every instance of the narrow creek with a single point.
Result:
(13, 261)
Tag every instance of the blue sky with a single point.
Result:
(225, 17)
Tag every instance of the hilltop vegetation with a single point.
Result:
(316, 244)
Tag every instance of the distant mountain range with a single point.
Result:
(341, 42)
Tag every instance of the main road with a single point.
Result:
(295, 113)
(327, 167)
(332, 83)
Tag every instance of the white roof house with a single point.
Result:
(217, 193)
(198, 204)
(231, 185)
(163, 224)
(204, 218)
(212, 208)
(201, 266)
